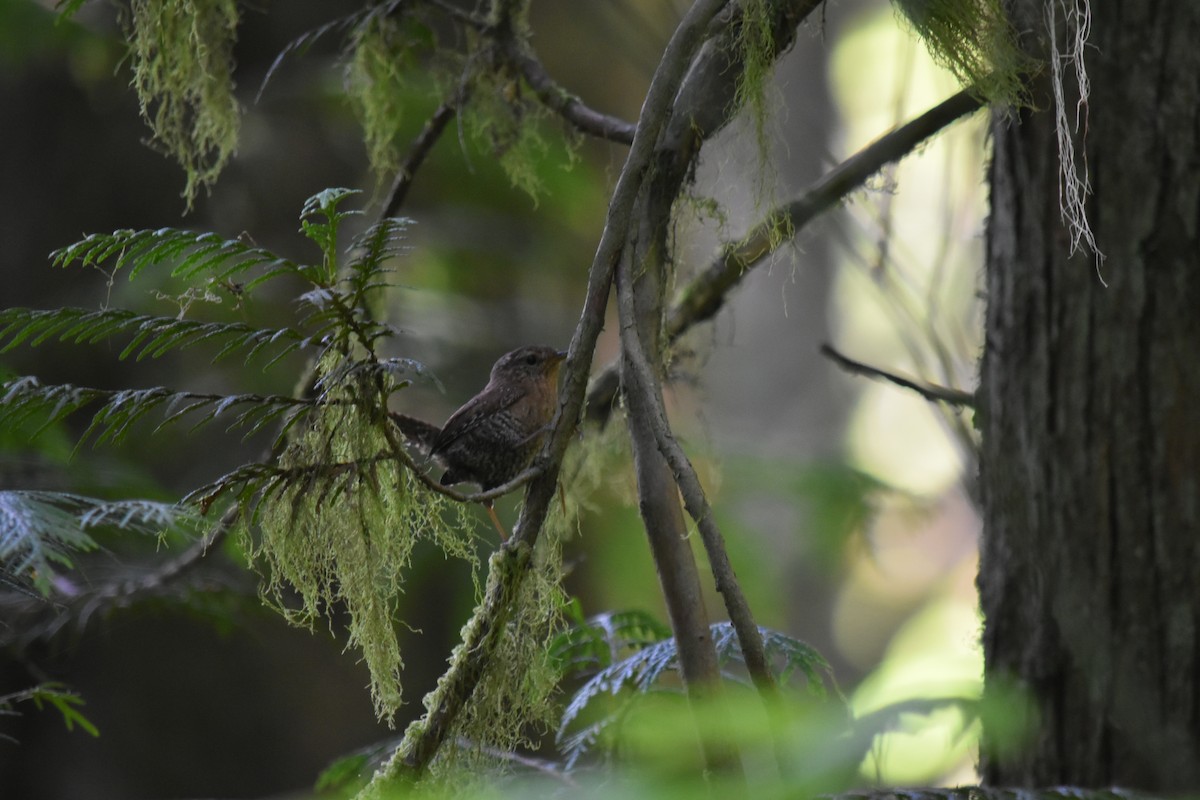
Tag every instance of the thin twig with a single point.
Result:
(421, 146)
(465, 17)
(930, 391)
(541, 765)
(585, 119)
(706, 293)
(397, 451)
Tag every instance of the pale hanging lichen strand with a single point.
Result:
(182, 55)
(344, 536)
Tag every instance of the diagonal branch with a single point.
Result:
(931, 392)
(704, 296)
(421, 146)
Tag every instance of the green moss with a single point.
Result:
(975, 41)
(182, 55)
(345, 537)
(380, 75)
(508, 126)
(755, 44)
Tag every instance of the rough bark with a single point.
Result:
(1090, 467)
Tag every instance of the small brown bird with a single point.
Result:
(496, 434)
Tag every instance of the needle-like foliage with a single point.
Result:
(40, 532)
(606, 641)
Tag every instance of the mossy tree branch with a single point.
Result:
(509, 566)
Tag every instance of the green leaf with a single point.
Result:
(67, 704)
(57, 695)
(324, 204)
(186, 253)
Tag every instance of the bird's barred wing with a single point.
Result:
(483, 406)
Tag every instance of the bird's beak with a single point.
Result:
(556, 363)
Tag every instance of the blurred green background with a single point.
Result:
(846, 504)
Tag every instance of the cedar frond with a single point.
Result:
(153, 336)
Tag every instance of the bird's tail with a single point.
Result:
(418, 432)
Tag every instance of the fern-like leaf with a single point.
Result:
(599, 641)
(642, 671)
(25, 398)
(41, 531)
(321, 220)
(153, 336)
(251, 484)
(57, 695)
(188, 254)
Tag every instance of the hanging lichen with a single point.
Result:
(514, 702)
(182, 55)
(755, 44)
(384, 74)
(340, 531)
(509, 127)
(975, 41)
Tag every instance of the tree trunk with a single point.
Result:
(1090, 469)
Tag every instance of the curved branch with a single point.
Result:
(704, 296)
(559, 100)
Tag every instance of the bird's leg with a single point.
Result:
(496, 521)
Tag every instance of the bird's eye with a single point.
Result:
(531, 360)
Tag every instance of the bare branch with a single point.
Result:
(641, 380)
(640, 312)
(434, 127)
(931, 392)
(568, 106)
(992, 793)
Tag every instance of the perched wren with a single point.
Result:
(496, 434)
